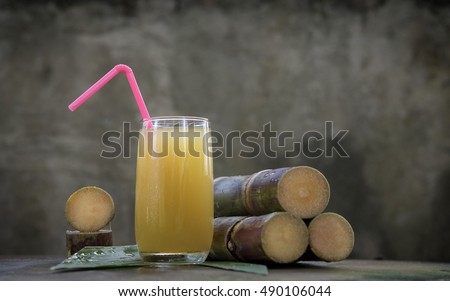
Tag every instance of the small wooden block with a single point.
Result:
(76, 240)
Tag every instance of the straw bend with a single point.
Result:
(123, 68)
(105, 79)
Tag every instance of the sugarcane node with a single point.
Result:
(231, 247)
(261, 192)
(222, 247)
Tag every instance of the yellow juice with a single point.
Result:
(174, 193)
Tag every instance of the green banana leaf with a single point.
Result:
(259, 269)
(128, 256)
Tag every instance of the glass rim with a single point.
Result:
(177, 118)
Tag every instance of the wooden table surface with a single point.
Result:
(38, 268)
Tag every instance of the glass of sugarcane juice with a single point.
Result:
(174, 191)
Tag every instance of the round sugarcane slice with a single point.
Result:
(285, 238)
(303, 191)
(89, 209)
(331, 237)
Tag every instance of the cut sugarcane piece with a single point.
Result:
(278, 237)
(302, 191)
(331, 237)
(89, 209)
(76, 240)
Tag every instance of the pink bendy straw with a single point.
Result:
(105, 79)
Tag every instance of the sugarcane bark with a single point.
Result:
(229, 194)
(261, 195)
(277, 237)
(302, 191)
(331, 237)
(76, 240)
(222, 248)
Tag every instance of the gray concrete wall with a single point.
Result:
(380, 69)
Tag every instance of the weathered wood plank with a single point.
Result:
(38, 268)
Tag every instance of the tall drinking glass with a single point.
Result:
(174, 191)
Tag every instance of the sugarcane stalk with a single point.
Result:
(302, 191)
(222, 247)
(229, 194)
(278, 237)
